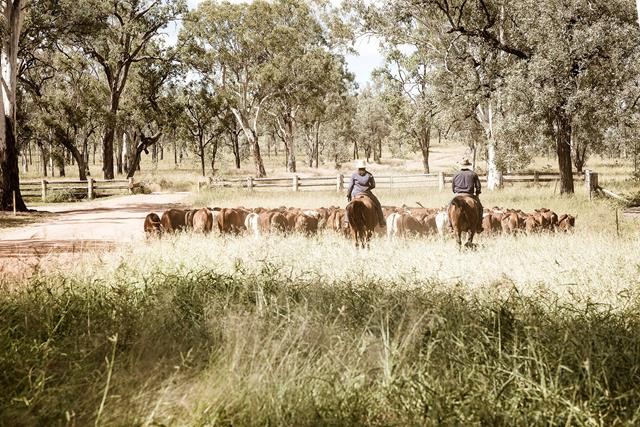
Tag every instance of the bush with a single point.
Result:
(64, 196)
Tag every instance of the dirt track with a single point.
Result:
(78, 227)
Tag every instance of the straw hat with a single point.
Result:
(360, 164)
(465, 162)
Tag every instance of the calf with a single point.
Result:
(442, 222)
(306, 224)
(153, 226)
(174, 220)
(202, 221)
(566, 223)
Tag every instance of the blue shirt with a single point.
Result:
(361, 183)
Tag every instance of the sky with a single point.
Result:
(361, 65)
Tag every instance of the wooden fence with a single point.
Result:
(89, 188)
(438, 180)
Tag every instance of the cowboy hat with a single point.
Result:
(465, 162)
(360, 164)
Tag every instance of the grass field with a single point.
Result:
(193, 330)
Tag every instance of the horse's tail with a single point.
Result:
(356, 215)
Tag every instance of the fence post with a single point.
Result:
(440, 181)
(391, 182)
(536, 177)
(44, 190)
(339, 184)
(590, 181)
(90, 188)
(130, 185)
(295, 183)
(250, 183)
(499, 180)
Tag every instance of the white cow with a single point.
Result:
(252, 225)
(442, 222)
(394, 225)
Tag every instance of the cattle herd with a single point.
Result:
(401, 221)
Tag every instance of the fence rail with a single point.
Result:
(91, 187)
(340, 182)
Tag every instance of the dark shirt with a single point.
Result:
(361, 183)
(466, 181)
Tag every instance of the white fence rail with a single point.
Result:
(340, 182)
(91, 187)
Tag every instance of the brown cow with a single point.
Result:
(306, 224)
(153, 226)
(531, 224)
(202, 221)
(491, 222)
(174, 220)
(188, 217)
(512, 222)
(291, 215)
(232, 220)
(272, 222)
(429, 222)
(566, 223)
(549, 219)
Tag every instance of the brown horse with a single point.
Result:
(463, 216)
(362, 219)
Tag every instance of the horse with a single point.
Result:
(463, 216)
(362, 219)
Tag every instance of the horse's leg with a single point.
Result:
(470, 235)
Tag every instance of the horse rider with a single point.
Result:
(362, 182)
(466, 182)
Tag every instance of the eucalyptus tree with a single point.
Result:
(268, 57)
(70, 107)
(200, 124)
(11, 20)
(372, 123)
(116, 34)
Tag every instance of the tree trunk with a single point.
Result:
(77, 155)
(60, 161)
(562, 131)
(235, 147)
(201, 154)
(317, 146)
(214, 152)
(154, 155)
(13, 11)
(95, 148)
(425, 142)
(484, 115)
(355, 150)
(143, 145)
(120, 150)
(251, 132)
(107, 144)
(257, 158)
(43, 157)
(580, 154)
(175, 153)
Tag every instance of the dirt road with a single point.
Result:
(77, 227)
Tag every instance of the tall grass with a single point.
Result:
(295, 331)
